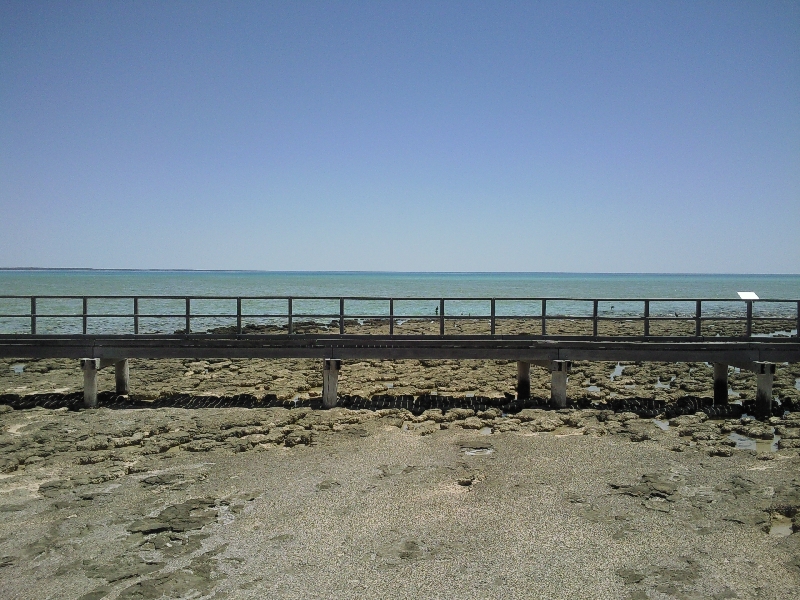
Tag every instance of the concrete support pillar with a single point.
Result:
(330, 381)
(121, 374)
(765, 373)
(523, 380)
(90, 367)
(720, 383)
(558, 385)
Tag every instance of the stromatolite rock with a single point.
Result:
(192, 514)
(689, 420)
(458, 414)
(99, 442)
(125, 568)
(8, 464)
(720, 451)
(539, 420)
(296, 438)
(423, 428)
(472, 423)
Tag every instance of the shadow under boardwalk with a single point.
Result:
(508, 405)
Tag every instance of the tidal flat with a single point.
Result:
(148, 498)
(302, 503)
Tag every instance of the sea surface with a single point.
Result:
(507, 288)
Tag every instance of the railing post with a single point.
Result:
(697, 319)
(441, 316)
(391, 316)
(33, 315)
(493, 320)
(544, 316)
(85, 313)
(135, 316)
(341, 316)
(188, 312)
(798, 320)
(594, 318)
(749, 326)
(239, 316)
(647, 318)
(289, 315)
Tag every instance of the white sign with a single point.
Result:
(747, 295)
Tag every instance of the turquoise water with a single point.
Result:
(396, 285)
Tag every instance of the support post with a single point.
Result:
(33, 315)
(136, 316)
(647, 318)
(765, 373)
(239, 316)
(188, 316)
(720, 383)
(493, 317)
(330, 381)
(90, 367)
(289, 317)
(523, 380)
(558, 384)
(85, 314)
(391, 316)
(341, 316)
(594, 318)
(441, 316)
(122, 377)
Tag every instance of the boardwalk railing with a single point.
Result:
(292, 315)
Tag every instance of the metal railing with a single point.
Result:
(782, 311)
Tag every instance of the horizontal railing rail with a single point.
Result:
(305, 310)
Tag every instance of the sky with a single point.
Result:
(401, 136)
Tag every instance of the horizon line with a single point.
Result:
(388, 272)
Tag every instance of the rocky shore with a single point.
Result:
(224, 479)
(302, 503)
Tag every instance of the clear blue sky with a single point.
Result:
(431, 136)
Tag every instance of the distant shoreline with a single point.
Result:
(310, 272)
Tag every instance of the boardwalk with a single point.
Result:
(738, 333)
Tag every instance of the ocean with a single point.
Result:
(371, 284)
